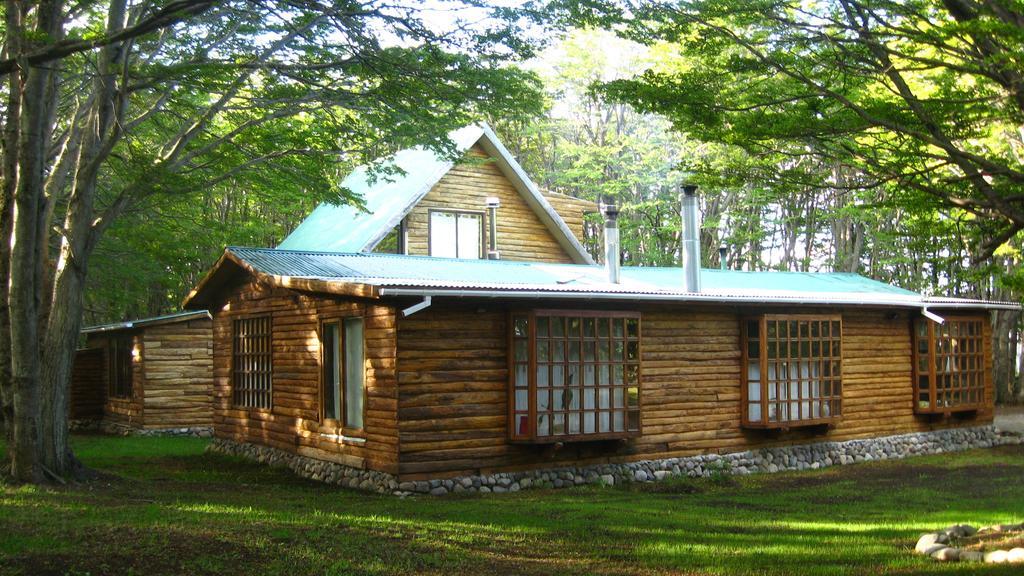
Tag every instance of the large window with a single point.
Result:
(119, 355)
(792, 369)
(252, 364)
(949, 365)
(456, 234)
(574, 375)
(344, 374)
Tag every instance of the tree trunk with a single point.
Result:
(12, 130)
(65, 315)
(1004, 358)
(25, 280)
(28, 250)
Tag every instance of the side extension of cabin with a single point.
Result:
(151, 374)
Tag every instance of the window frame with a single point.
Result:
(255, 407)
(336, 425)
(457, 212)
(118, 347)
(982, 371)
(764, 423)
(532, 437)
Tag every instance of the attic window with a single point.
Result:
(949, 365)
(574, 376)
(456, 234)
(793, 370)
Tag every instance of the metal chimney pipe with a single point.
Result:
(492, 228)
(723, 255)
(690, 239)
(611, 242)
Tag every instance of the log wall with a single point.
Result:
(521, 234)
(452, 382)
(293, 423)
(573, 210)
(177, 363)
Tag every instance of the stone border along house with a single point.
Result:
(488, 352)
(149, 376)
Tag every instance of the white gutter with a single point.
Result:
(417, 307)
(620, 296)
(932, 316)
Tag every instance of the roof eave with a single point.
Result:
(534, 197)
(146, 322)
(690, 297)
(198, 297)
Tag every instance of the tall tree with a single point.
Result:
(117, 106)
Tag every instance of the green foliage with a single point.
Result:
(855, 135)
(247, 117)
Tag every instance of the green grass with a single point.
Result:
(168, 508)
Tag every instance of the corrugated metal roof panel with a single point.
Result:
(388, 270)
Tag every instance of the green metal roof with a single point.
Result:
(398, 275)
(394, 270)
(391, 275)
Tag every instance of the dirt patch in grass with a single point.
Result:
(135, 551)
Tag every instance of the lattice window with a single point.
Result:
(252, 363)
(949, 365)
(792, 370)
(574, 375)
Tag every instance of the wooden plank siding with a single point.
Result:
(177, 362)
(521, 234)
(293, 422)
(452, 382)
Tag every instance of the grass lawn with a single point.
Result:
(168, 508)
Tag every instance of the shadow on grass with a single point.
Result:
(180, 511)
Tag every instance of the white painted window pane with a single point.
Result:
(354, 372)
(442, 235)
(469, 236)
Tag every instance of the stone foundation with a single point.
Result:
(118, 429)
(800, 457)
(85, 425)
(319, 470)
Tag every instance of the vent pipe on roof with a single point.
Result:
(611, 242)
(723, 257)
(690, 239)
(492, 228)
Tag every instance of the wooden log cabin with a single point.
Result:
(489, 341)
(151, 375)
